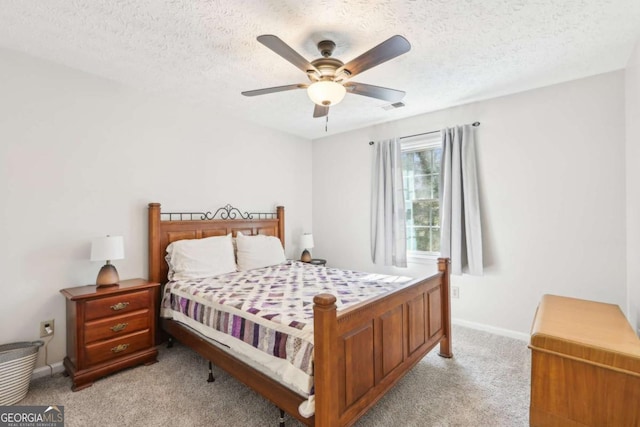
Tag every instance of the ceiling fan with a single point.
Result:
(330, 77)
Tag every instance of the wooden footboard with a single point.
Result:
(362, 352)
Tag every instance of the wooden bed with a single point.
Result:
(359, 353)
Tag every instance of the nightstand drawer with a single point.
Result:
(119, 304)
(116, 326)
(112, 349)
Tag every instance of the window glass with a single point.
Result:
(421, 175)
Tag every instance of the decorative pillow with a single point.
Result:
(258, 251)
(197, 258)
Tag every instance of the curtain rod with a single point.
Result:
(475, 124)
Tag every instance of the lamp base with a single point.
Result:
(306, 256)
(108, 276)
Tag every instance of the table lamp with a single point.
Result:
(306, 241)
(107, 249)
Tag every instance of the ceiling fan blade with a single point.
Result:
(389, 49)
(320, 111)
(384, 93)
(273, 89)
(281, 48)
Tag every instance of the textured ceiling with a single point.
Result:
(462, 50)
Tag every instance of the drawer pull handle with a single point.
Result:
(119, 306)
(119, 348)
(119, 327)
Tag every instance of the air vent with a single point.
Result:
(394, 106)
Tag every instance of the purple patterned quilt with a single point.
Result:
(271, 309)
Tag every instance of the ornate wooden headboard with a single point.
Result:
(167, 227)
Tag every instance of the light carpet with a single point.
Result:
(486, 383)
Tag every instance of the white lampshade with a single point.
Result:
(306, 241)
(326, 92)
(107, 248)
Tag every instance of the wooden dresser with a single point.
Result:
(109, 329)
(585, 367)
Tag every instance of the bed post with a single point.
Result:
(280, 214)
(154, 242)
(445, 344)
(325, 325)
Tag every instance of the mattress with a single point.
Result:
(266, 314)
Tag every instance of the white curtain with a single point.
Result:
(388, 229)
(461, 234)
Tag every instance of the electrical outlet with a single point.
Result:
(47, 328)
(455, 292)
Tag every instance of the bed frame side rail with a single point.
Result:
(283, 397)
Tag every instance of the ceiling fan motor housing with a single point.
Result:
(327, 67)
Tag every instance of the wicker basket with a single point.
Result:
(17, 361)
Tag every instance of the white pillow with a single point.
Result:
(198, 258)
(258, 251)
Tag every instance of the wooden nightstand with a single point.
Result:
(109, 329)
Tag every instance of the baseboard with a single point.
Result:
(45, 371)
(494, 330)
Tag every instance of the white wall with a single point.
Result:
(551, 164)
(632, 80)
(82, 156)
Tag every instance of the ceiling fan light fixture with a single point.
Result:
(326, 92)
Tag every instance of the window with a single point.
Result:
(421, 178)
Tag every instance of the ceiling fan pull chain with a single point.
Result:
(326, 124)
